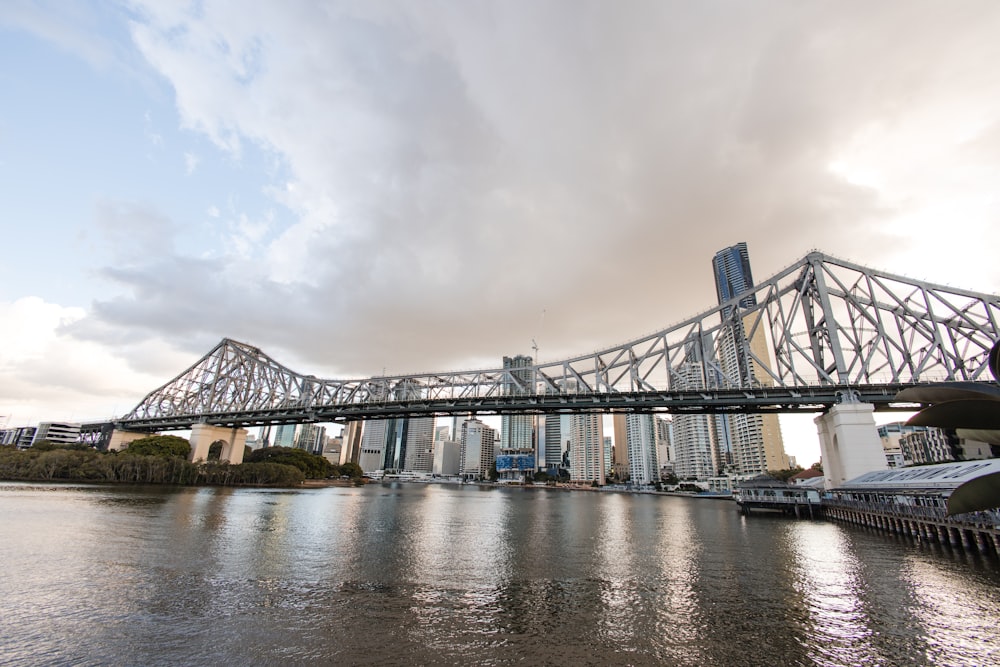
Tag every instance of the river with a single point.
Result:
(410, 574)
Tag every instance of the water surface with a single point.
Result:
(449, 575)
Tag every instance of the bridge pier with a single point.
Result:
(120, 438)
(849, 442)
(204, 435)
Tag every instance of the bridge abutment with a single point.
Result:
(849, 442)
(120, 438)
(233, 441)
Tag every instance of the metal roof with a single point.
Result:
(942, 476)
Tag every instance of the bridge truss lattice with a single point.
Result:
(800, 340)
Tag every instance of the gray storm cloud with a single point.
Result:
(456, 169)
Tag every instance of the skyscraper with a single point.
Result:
(517, 431)
(284, 435)
(311, 438)
(477, 452)
(641, 439)
(751, 443)
(619, 454)
(586, 450)
(694, 434)
(351, 449)
(405, 443)
(373, 444)
(731, 267)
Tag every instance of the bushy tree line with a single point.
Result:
(136, 465)
(312, 466)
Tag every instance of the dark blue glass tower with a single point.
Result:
(731, 267)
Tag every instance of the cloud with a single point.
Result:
(456, 169)
(42, 369)
(190, 163)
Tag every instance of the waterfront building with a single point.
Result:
(60, 433)
(929, 445)
(618, 463)
(476, 454)
(551, 442)
(608, 454)
(403, 443)
(907, 445)
(950, 503)
(586, 448)
(641, 445)
(419, 444)
(517, 431)
(663, 440)
(513, 465)
(753, 441)
(890, 436)
(447, 456)
(373, 444)
(693, 434)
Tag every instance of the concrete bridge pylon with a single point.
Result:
(204, 435)
(848, 442)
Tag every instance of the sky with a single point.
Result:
(376, 187)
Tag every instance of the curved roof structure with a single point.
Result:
(972, 408)
(968, 485)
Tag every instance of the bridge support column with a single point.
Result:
(233, 441)
(849, 443)
(119, 439)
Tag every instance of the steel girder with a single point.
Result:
(821, 323)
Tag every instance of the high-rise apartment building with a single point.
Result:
(551, 441)
(419, 444)
(517, 431)
(477, 450)
(586, 448)
(694, 435)
(403, 443)
(664, 441)
(641, 438)
(751, 444)
(619, 453)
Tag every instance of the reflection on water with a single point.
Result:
(414, 574)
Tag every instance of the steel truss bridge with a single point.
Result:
(821, 331)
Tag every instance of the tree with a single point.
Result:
(352, 470)
(160, 445)
(312, 466)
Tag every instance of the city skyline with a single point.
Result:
(176, 175)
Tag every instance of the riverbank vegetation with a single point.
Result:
(163, 460)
